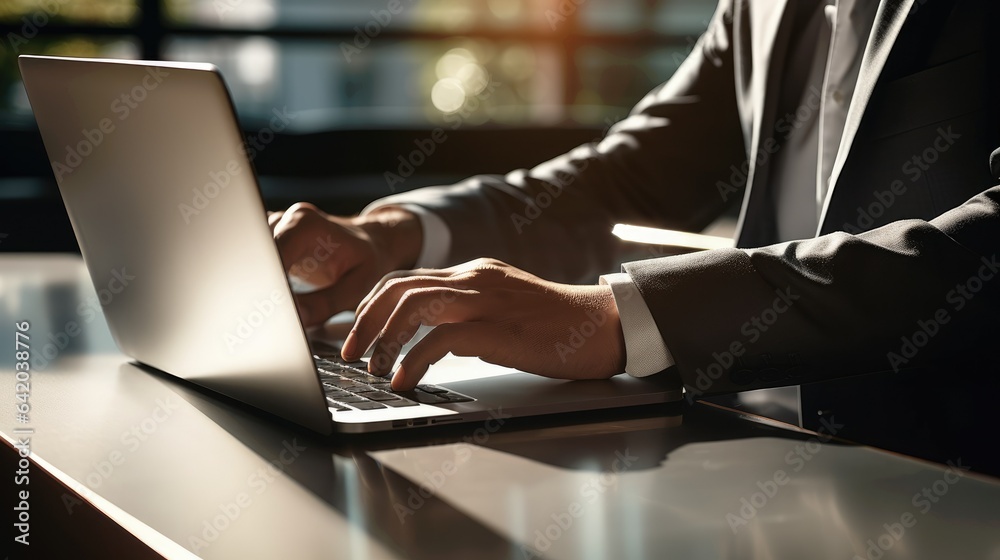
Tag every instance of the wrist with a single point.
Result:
(396, 234)
(614, 334)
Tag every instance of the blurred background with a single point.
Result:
(512, 82)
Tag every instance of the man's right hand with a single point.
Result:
(342, 257)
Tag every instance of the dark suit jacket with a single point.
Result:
(903, 270)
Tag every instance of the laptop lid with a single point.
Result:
(150, 162)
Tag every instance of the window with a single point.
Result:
(365, 79)
(382, 63)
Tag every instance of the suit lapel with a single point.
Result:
(888, 22)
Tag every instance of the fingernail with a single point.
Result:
(347, 352)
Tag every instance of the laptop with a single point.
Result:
(166, 207)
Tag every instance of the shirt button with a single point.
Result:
(838, 96)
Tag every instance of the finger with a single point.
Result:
(423, 306)
(456, 272)
(427, 272)
(462, 339)
(318, 306)
(374, 315)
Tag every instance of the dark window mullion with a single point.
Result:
(151, 29)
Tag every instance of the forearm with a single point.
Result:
(832, 306)
(486, 216)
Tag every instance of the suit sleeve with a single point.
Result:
(910, 294)
(659, 166)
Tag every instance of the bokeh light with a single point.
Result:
(447, 95)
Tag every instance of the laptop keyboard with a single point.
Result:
(349, 387)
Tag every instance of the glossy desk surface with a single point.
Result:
(191, 475)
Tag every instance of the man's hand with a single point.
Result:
(492, 310)
(342, 257)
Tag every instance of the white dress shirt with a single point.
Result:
(823, 61)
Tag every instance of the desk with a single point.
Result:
(130, 463)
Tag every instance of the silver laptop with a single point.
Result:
(166, 208)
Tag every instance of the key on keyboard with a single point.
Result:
(351, 387)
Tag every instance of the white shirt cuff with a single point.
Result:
(436, 236)
(645, 351)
